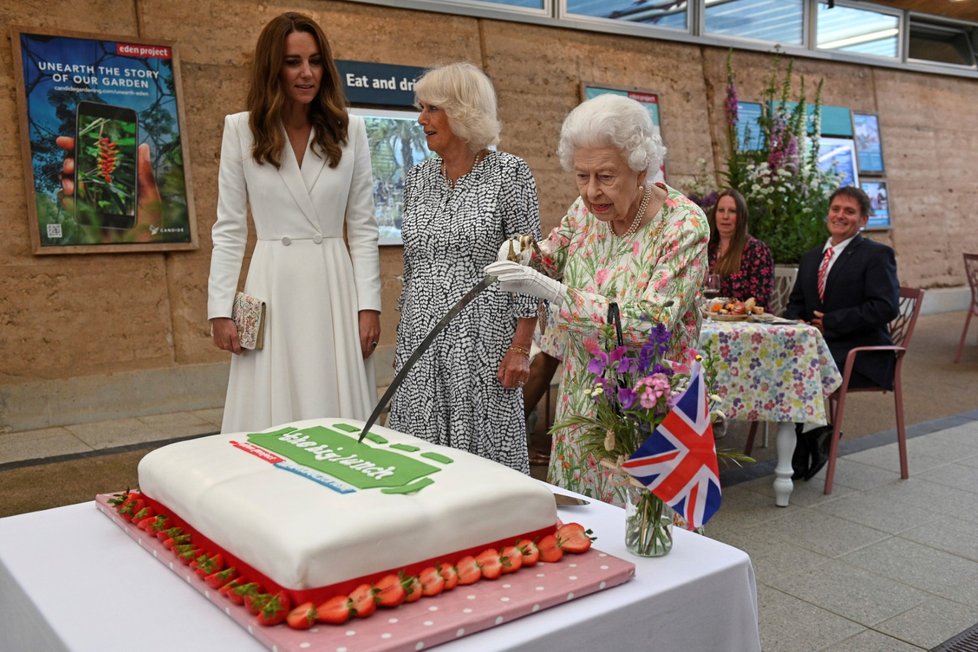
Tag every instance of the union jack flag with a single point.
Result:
(678, 462)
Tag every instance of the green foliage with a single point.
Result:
(786, 191)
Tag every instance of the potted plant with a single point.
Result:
(786, 190)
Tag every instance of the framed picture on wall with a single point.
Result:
(397, 143)
(106, 165)
(869, 146)
(750, 134)
(879, 200)
(648, 99)
(839, 155)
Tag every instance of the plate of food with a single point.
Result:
(733, 310)
(719, 317)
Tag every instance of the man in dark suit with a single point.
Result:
(848, 290)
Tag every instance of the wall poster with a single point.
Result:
(879, 200)
(383, 94)
(105, 164)
(397, 143)
(839, 155)
(648, 99)
(869, 146)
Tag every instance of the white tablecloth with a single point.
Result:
(72, 580)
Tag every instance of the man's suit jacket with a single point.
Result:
(862, 296)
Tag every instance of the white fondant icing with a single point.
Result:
(304, 535)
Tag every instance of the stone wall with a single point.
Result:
(79, 330)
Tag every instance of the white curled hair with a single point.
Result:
(615, 121)
(468, 99)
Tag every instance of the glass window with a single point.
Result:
(671, 14)
(527, 4)
(537, 5)
(941, 43)
(857, 30)
(777, 21)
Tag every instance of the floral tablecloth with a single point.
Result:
(768, 372)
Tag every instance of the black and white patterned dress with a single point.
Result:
(452, 396)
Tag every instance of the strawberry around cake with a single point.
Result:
(309, 510)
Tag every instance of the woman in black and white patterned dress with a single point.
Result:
(465, 391)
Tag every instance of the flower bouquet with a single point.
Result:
(633, 393)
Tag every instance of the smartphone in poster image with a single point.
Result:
(106, 138)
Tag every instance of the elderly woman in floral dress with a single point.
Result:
(625, 240)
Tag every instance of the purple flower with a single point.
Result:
(654, 347)
(598, 363)
(730, 103)
(663, 370)
(626, 397)
(627, 365)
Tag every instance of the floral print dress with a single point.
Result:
(665, 261)
(755, 277)
(452, 397)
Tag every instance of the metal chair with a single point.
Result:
(901, 330)
(971, 271)
(784, 282)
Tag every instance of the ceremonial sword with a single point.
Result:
(425, 343)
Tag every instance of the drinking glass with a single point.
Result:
(711, 287)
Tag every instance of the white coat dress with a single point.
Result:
(313, 284)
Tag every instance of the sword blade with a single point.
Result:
(418, 352)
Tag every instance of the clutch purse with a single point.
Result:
(248, 315)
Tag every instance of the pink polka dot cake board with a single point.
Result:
(422, 624)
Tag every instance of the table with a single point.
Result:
(70, 579)
(772, 372)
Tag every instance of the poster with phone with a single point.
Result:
(104, 161)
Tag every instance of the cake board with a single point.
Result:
(424, 624)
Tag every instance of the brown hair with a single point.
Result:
(266, 97)
(729, 263)
(857, 194)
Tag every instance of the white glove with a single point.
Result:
(513, 244)
(519, 279)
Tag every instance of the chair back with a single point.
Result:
(784, 282)
(971, 271)
(901, 328)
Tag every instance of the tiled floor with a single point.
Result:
(881, 564)
(66, 441)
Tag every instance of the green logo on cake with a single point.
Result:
(340, 456)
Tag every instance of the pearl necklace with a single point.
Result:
(481, 154)
(646, 193)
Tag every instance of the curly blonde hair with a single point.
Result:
(468, 99)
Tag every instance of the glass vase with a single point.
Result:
(648, 523)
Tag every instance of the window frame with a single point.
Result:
(732, 40)
(939, 22)
(902, 27)
(555, 15)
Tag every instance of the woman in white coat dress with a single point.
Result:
(303, 165)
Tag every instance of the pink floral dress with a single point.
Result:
(664, 261)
